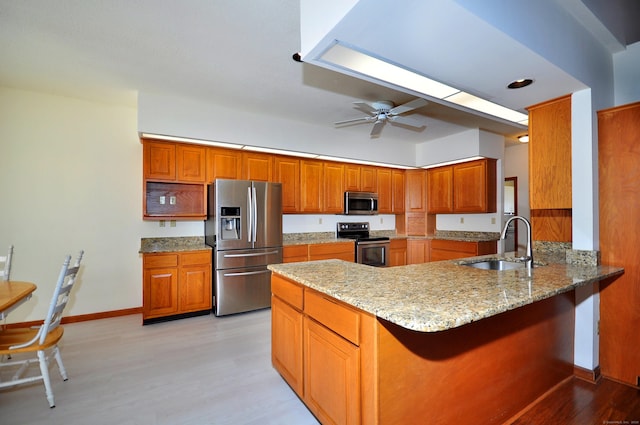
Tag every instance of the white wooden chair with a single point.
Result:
(42, 338)
(5, 260)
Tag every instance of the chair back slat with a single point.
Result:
(5, 272)
(66, 279)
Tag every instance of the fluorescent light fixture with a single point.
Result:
(190, 140)
(474, 102)
(456, 161)
(279, 151)
(366, 64)
(524, 138)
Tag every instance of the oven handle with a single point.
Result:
(381, 243)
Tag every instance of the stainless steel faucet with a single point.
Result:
(528, 258)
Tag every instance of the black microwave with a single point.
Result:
(360, 203)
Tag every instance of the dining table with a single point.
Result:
(12, 294)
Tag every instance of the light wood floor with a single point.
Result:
(201, 370)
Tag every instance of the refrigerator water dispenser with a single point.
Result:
(229, 223)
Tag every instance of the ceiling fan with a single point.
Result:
(382, 111)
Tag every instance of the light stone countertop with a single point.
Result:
(173, 244)
(440, 295)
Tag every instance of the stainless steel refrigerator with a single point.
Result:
(244, 227)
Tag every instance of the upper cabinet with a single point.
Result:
(550, 154)
(468, 187)
(191, 163)
(416, 191)
(390, 189)
(257, 166)
(360, 178)
(311, 186)
(287, 172)
(159, 160)
(223, 164)
(333, 187)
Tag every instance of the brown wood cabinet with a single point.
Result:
(176, 283)
(440, 190)
(416, 191)
(287, 172)
(368, 179)
(444, 249)
(319, 251)
(550, 154)
(316, 348)
(257, 166)
(398, 191)
(190, 163)
(619, 201)
(418, 251)
(550, 170)
(311, 186)
(360, 178)
(333, 187)
(467, 187)
(170, 201)
(397, 252)
(385, 191)
(223, 164)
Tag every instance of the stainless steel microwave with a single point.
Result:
(360, 203)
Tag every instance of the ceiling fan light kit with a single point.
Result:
(382, 111)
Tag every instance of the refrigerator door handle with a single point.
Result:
(246, 273)
(250, 218)
(255, 254)
(255, 213)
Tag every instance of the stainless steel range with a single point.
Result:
(372, 251)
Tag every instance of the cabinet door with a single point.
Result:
(223, 164)
(332, 375)
(368, 180)
(550, 154)
(397, 252)
(352, 178)
(340, 250)
(311, 186)
(295, 253)
(195, 288)
(286, 343)
(416, 191)
(288, 173)
(440, 190)
(418, 251)
(257, 166)
(333, 187)
(398, 180)
(190, 163)
(159, 160)
(474, 186)
(160, 292)
(385, 191)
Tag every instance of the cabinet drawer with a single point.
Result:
(160, 260)
(294, 253)
(458, 246)
(287, 291)
(192, 258)
(340, 319)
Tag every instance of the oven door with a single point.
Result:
(374, 253)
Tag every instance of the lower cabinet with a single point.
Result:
(175, 283)
(417, 251)
(316, 348)
(444, 249)
(319, 251)
(397, 252)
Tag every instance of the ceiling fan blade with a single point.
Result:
(377, 128)
(414, 104)
(365, 107)
(352, 121)
(411, 122)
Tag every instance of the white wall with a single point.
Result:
(516, 164)
(70, 173)
(626, 68)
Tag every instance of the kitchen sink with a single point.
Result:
(495, 264)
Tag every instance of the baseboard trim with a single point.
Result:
(80, 318)
(586, 374)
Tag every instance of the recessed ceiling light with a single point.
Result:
(518, 84)
(524, 138)
(296, 57)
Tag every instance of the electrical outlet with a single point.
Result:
(162, 223)
(381, 220)
(163, 200)
(320, 220)
(493, 220)
(172, 223)
(461, 220)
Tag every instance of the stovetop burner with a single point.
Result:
(358, 231)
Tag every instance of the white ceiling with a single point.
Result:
(238, 54)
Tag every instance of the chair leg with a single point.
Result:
(44, 370)
(63, 371)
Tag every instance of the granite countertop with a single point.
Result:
(190, 243)
(440, 295)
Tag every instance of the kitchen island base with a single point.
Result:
(348, 366)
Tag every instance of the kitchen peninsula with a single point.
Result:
(436, 342)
